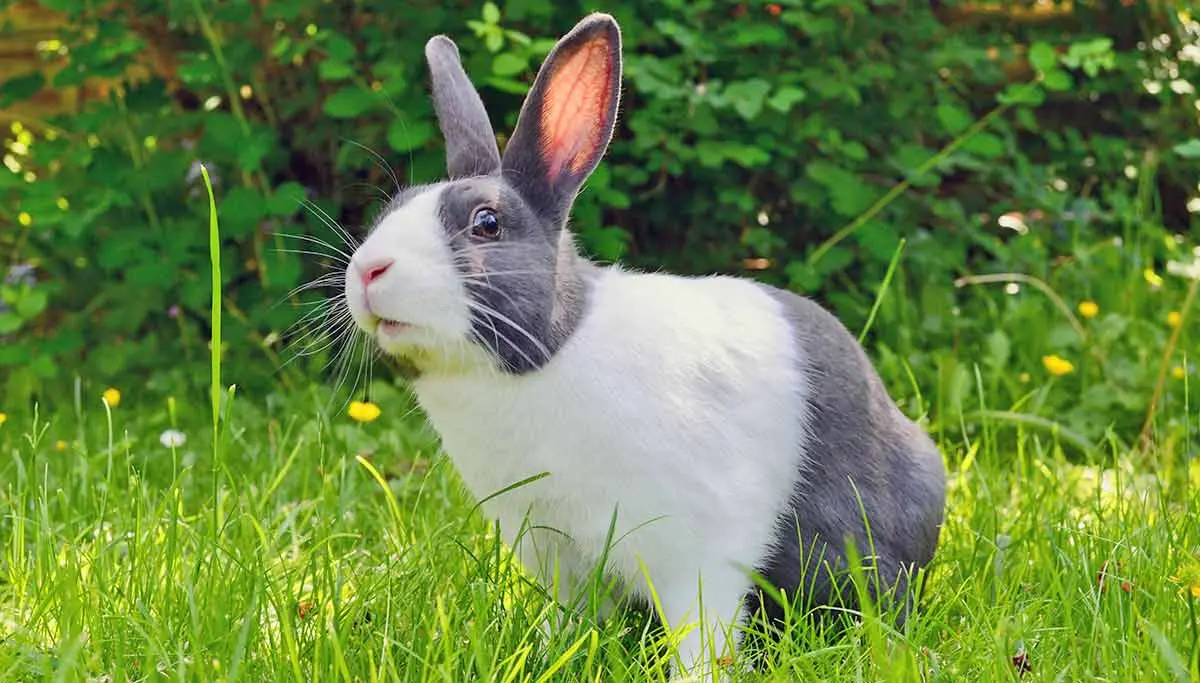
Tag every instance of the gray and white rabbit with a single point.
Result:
(730, 426)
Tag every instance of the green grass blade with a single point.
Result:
(883, 289)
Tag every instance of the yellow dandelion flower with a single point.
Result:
(1178, 372)
(62, 203)
(1174, 318)
(1152, 278)
(1089, 309)
(1057, 365)
(112, 397)
(1189, 580)
(363, 411)
(60, 445)
(3, 418)
(25, 219)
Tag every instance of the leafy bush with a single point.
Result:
(762, 138)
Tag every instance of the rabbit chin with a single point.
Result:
(428, 352)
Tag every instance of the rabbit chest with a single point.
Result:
(678, 404)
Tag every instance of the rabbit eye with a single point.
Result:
(486, 224)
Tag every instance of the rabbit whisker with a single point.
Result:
(330, 223)
(493, 313)
(332, 257)
(314, 240)
(492, 288)
(380, 161)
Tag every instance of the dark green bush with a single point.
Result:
(757, 138)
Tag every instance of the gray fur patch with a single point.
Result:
(470, 143)
(861, 447)
(528, 288)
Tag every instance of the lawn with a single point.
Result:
(322, 548)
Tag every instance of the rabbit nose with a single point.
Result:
(371, 272)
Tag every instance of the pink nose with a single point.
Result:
(372, 272)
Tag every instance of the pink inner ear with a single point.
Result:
(574, 107)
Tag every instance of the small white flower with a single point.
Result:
(1013, 221)
(172, 438)
(1184, 269)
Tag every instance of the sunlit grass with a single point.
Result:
(347, 550)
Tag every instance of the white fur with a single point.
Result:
(678, 402)
(421, 288)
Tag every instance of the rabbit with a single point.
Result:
(718, 425)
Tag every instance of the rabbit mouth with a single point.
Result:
(392, 328)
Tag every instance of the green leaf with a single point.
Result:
(759, 35)
(240, 211)
(1027, 119)
(152, 273)
(518, 38)
(985, 145)
(253, 150)
(349, 102)
(848, 195)
(9, 322)
(198, 69)
(286, 199)
(284, 9)
(833, 261)
(404, 136)
(953, 118)
(1189, 149)
(607, 243)
(1021, 94)
(334, 70)
(801, 276)
(999, 349)
(1042, 56)
(713, 153)
(21, 88)
(508, 85)
(31, 303)
(1057, 80)
(508, 64)
(222, 134)
(785, 98)
(879, 239)
(908, 157)
(747, 96)
(339, 47)
(44, 366)
(491, 13)
(493, 41)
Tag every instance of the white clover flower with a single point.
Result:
(1190, 270)
(172, 438)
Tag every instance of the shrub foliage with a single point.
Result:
(796, 141)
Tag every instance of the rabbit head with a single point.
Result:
(479, 269)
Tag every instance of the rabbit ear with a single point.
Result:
(567, 120)
(470, 142)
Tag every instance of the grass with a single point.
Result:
(348, 551)
(283, 543)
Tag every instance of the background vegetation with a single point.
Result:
(1033, 167)
(763, 138)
